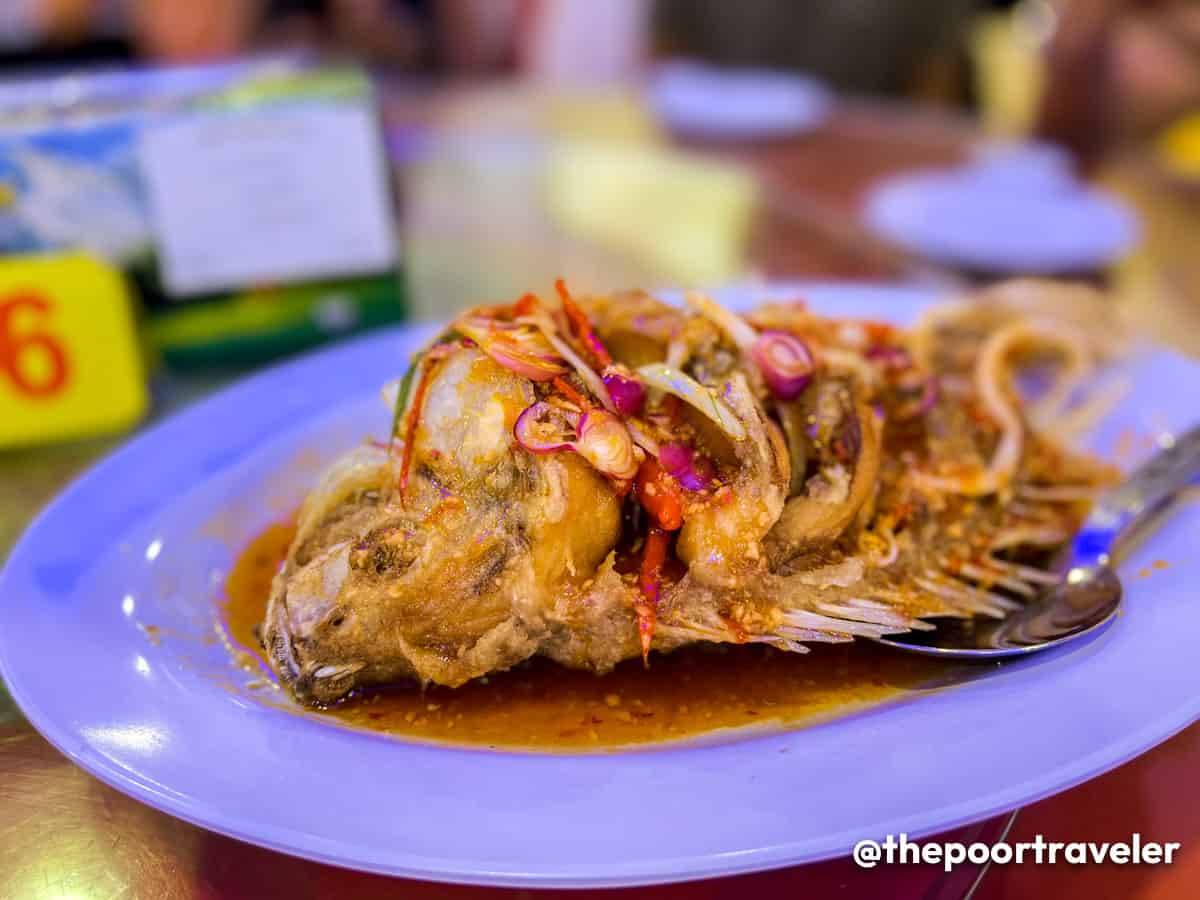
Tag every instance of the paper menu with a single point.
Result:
(275, 195)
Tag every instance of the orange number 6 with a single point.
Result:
(14, 347)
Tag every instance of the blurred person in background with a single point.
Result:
(174, 31)
(394, 33)
(1114, 66)
(913, 47)
(63, 32)
(868, 46)
(40, 32)
(1118, 70)
(863, 45)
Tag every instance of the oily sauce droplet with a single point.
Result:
(543, 706)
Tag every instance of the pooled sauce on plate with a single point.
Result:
(541, 705)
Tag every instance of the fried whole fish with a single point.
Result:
(594, 479)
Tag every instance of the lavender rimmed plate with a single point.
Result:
(145, 537)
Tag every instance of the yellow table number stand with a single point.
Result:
(70, 362)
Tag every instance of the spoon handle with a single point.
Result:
(1134, 502)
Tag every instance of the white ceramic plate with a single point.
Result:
(147, 536)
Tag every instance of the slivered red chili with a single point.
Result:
(654, 557)
(659, 494)
(414, 413)
(527, 304)
(582, 327)
(571, 394)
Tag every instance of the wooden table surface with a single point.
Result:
(65, 835)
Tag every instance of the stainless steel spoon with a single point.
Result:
(1089, 594)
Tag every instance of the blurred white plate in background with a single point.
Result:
(1010, 210)
(695, 99)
